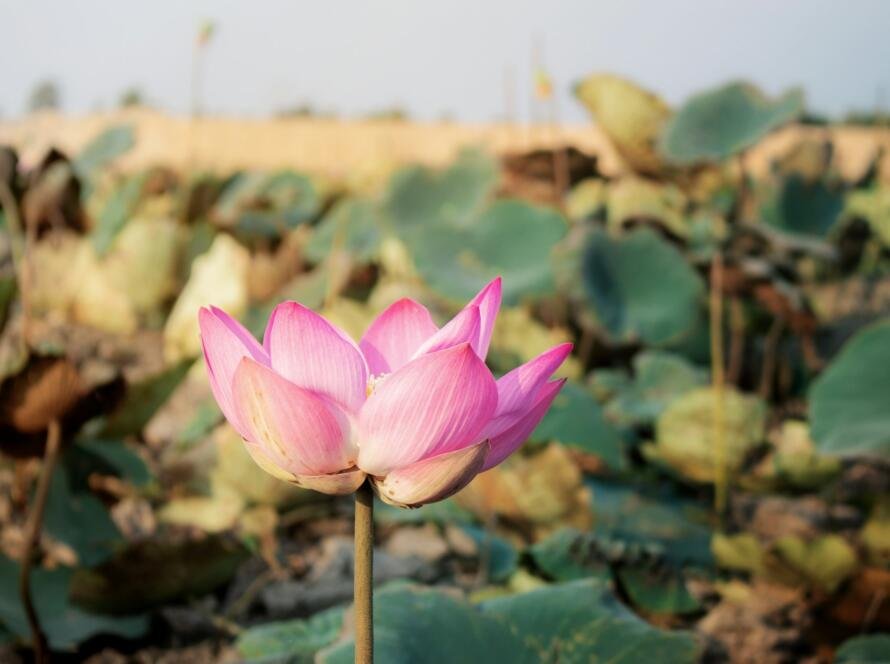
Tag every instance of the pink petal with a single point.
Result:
(489, 302)
(518, 389)
(296, 430)
(395, 334)
(316, 355)
(437, 403)
(463, 328)
(434, 478)
(226, 343)
(508, 441)
(337, 484)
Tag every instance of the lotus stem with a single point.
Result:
(33, 531)
(718, 380)
(364, 574)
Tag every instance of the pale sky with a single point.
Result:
(435, 58)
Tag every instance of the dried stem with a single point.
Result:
(770, 349)
(33, 530)
(364, 575)
(718, 379)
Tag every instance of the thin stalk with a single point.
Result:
(33, 530)
(364, 575)
(718, 380)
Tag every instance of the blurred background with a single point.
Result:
(697, 195)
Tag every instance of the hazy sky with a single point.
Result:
(435, 58)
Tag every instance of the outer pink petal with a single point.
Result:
(226, 343)
(434, 478)
(316, 355)
(508, 441)
(294, 428)
(489, 302)
(518, 389)
(337, 484)
(395, 334)
(437, 403)
(463, 328)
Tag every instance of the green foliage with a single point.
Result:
(573, 622)
(258, 206)
(65, 625)
(652, 521)
(75, 516)
(718, 123)
(850, 401)
(117, 211)
(353, 225)
(866, 649)
(104, 149)
(575, 419)
(291, 641)
(419, 197)
(658, 590)
(799, 207)
(640, 287)
(659, 378)
(511, 238)
(500, 557)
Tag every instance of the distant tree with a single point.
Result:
(44, 96)
(396, 113)
(306, 110)
(131, 97)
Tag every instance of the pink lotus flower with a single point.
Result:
(411, 406)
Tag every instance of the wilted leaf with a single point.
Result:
(740, 552)
(543, 489)
(219, 277)
(686, 440)
(825, 562)
(153, 572)
(630, 116)
(143, 399)
(875, 535)
(637, 200)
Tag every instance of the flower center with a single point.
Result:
(373, 382)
